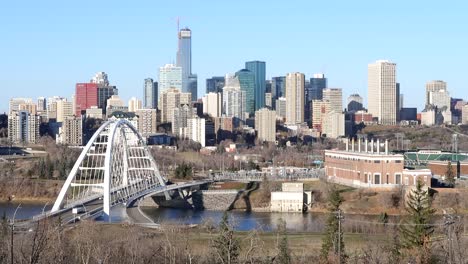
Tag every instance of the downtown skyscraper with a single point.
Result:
(382, 91)
(150, 94)
(258, 68)
(184, 60)
(295, 98)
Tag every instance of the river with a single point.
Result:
(241, 221)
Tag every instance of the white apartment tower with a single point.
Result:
(434, 86)
(234, 98)
(382, 91)
(265, 125)
(295, 98)
(197, 130)
(212, 104)
(23, 127)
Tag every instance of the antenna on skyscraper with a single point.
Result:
(178, 25)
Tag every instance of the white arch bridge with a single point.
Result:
(114, 167)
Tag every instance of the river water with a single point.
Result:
(241, 221)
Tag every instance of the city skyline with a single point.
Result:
(59, 58)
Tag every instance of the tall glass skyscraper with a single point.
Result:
(316, 86)
(215, 84)
(247, 84)
(258, 68)
(184, 60)
(150, 94)
(278, 87)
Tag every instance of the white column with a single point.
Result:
(372, 146)
(386, 147)
(366, 146)
(378, 146)
(359, 145)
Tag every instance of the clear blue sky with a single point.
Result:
(48, 46)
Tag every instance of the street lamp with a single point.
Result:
(12, 225)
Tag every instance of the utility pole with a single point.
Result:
(340, 218)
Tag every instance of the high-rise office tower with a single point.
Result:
(170, 76)
(434, 86)
(30, 107)
(234, 99)
(86, 95)
(258, 68)
(215, 84)
(265, 125)
(320, 109)
(335, 97)
(313, 91)
(23, 127)
(317, 83)
(278, 86)
(101, 79)
(382, 91)
(355, 102)
(281, 108)
(295, 98)
(184, 60)
(171, 99)
(150, 94)
(247, 83)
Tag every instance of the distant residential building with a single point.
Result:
(224, 123)
(333, 124)
(335, 97)
(64, 110)
(71, 132)
(265, 125)
(171, 99)
(258, 68)
(179, 120)
(212, 104)
(278, 87)
(147, 121)
(295, 98)
(94, 112)
(23, 127)
(464, 115)
(134, 104)
(52, 106)
(246, 80)
(15, 102)
(319, 110)
(281, 108)
(197, 130)
(150, 94)
(170, 76)
(29, 107)
(355, 102)
(234, 99)
(268, 100)
(382, 89)
(215, 84)
(41, 104)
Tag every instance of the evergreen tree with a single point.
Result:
(450, 175)
(417, 229)
(332, 239)
(225, 244)
(284, 254)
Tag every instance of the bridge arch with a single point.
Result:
(114, 166)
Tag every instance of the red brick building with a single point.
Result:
(371, 168)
